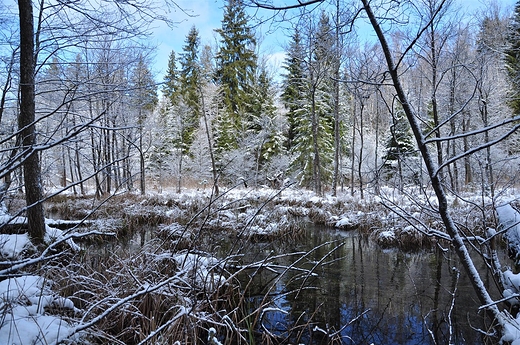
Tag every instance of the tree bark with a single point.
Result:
(337, 66)
(26, 125)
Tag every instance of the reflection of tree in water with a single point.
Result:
(394, 297)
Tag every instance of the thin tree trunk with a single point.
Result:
(453, 170)
(468, 174)
(361, 143)
(451, 228)
(435, 109)
(141, 160)
(210, 145)
(179, 179)
(353, 151)
(316, 151)
(489, 167)
(337, 66)
(376, 155)
(26, 124)
(71, 170)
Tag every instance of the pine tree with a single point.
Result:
(512, 59)
(235, 73)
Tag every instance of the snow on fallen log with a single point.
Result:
(509, 223)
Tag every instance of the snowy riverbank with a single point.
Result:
(38, 310)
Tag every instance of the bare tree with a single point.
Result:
(26, 125)
(378, 14)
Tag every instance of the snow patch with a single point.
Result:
(23, 300)
(509, 222)
(12, 246)
(201, 269)
(511, 331)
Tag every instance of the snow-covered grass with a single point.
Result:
(171, 290)
(246, 212)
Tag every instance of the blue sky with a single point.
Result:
(206, 15)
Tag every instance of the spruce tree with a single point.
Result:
(324, 63)
(235, 73)
(400, 143)
(310, 104)
(265, 124)
(190, 80)
(144, 96)
(512, 59)
(293, 94)
(144, 99)
(171, 86)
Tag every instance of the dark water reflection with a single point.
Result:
(363, 294)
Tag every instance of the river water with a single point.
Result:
(361, 294)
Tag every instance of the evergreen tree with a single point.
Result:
(144, 99)
(235, 73)
(512, 59)
(266, 130)
(171, 86)
(323, 61)
(207, 68)
(144, 96)
(308, 94)
(190, 80)
(400, 144)
(293, 93)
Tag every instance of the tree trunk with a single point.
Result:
(435, 178)
(141, 160)
(337, 66)
(210, 145)
(361, 144)
(26, 125)
(353, 151)
(316, 173)
(468, 174)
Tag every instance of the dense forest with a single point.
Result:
(106, 123)
(373, 98)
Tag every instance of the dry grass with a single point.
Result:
(184, 225)
(250, 214)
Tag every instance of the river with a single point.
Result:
(362, 294)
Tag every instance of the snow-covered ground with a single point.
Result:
(32, 313)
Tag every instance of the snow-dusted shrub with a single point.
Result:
(386, 238)
(152, 288)
(318, 216)
(509, 220)
(410, 238)
(177, 235)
